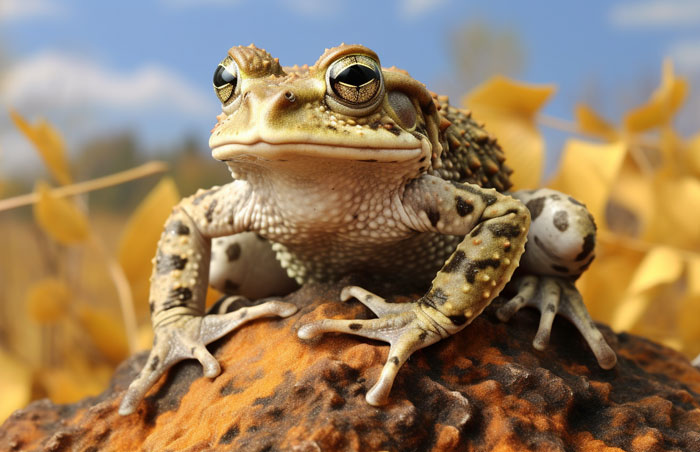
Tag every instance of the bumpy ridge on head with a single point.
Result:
(255, 62)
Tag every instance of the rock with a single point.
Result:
(483, 389)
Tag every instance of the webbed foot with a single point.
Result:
(552, 295)
(186, 336)
(403, 325)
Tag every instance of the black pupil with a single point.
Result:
(223, 76)
(355, 75)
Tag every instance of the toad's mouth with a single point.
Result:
(283, 151)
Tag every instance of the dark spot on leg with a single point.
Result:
(177, 227)
(433, 216)
(575, 201)
(169, 262)
(230, 435)
(455, 262)
(551, 308)
(394, 360)
(422, 336)
(436, 297)
(242, 313)
(209, 214)
(463, 207)
(198, 198)
(233, 252)
(588, 245)
(560, 268)
(535, 207)
(177, 298)
(355, 326)
(458, 319)
(154, 363)
(230, 286)
(473, 268)
(544, 248)
(585, 266)
(561, 220)
(151, 306)
(504, 230)
(555, 197)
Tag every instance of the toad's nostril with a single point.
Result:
(290, 96)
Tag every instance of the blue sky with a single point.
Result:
(95, 67)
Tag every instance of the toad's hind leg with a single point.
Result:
(244, 264)
(560, 246)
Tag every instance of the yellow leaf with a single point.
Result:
(630, 310)
(508, 109)
(688, 324)
(604, 284)
(15, 385)
(106, 332)
(662, 265)
(592, 123)
(59, 218)
(137, 245)
(49, 143)
(693, 277)
(70, 384)
(587, 172)
(48, 300)
(675, 221)
(662, 104)
(693, 155)
(631, 209)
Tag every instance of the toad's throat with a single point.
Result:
(281, 151)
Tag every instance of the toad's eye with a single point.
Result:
(355, 80)
(225, 79)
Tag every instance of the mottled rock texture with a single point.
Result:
(484, 389)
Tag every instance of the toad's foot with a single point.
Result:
(552, 295)
(186, 337)
(403, 325)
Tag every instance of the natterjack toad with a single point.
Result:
(345, 167)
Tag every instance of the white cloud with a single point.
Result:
(56, 80)
(655, 13)
(413, 8)
(84, 100)
(21, 9)
(686, 54)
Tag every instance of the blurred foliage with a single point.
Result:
(75, 275)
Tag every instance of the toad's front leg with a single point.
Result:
(495, 230)
(179, 285)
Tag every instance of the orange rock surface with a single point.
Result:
(484, 389)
